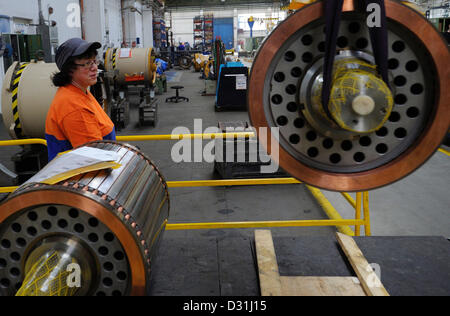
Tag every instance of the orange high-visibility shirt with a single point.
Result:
(75, 118)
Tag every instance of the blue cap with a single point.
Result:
(72, 48)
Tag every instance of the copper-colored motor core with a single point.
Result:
(118, 216)
(418, 68)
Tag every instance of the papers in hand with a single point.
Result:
(75, 162)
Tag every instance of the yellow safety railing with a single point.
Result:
(335, 219)
(19, 142)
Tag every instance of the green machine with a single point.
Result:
(24, 48)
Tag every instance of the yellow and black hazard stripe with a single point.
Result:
(15, 104)
(114, 57)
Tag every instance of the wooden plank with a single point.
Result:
(269, 277)
(321, 286)
(369, 280)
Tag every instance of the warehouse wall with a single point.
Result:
(183, 25)
(28, 10)
(113, 21)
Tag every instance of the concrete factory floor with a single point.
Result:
(415, 206)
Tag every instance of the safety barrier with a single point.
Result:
(361, 205)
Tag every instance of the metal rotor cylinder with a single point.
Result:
(109, 222)
(369, 140)
(133, 64)
(27, 93)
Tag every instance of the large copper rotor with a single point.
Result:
(115, 217)
(420, 92)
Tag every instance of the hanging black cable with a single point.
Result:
(378, 37)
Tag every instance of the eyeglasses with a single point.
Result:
(89, 64)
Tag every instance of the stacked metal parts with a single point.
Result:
(371, 133)
(104, 224)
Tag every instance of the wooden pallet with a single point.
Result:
(272, 284)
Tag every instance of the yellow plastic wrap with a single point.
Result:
(49, 277)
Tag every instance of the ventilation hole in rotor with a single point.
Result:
(327, 143)
(108, 266)
(359, 157)
(16, 227)
(382, 132)
(73, 213)
(277, 99)
(393, 63)
(400, 132)
(14, 272)
(100, 293)
(289, 56)
(416, 88)
(291, 89)
(93, 237)
(400, 81)
(107, 282)
(292, 107)
(5, 283)
(109, 237)
(118, 255)
(116, 293)
(381, 148)
(335, 158)
(307, 57)
(299, 122)
(412, 65)
(354, 27)
(394, 117)
(365, 141)
(52, 211)
(311, 136)
(412, 112)
(279, 77)
(31, 231)
(79, 228)
(21, 242)
(46, 225)
(400, 99)
(103, 251)
(321, 47)
(313, 152)
(6, 244)
(307, 40)
(296, 72)
(3, 263)
(122, 276)
(342, 41)
(93, 222)
(62, 223)
(362, 43)
(282, 120)
(294, 139)
(32, 216)
(15, 256)
(398, 46)
(346, 145)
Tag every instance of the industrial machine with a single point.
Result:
(107, 224)
(373, 132)
(134, 67)
(27, 93)
(231, 91)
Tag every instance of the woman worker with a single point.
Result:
(75, 117)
